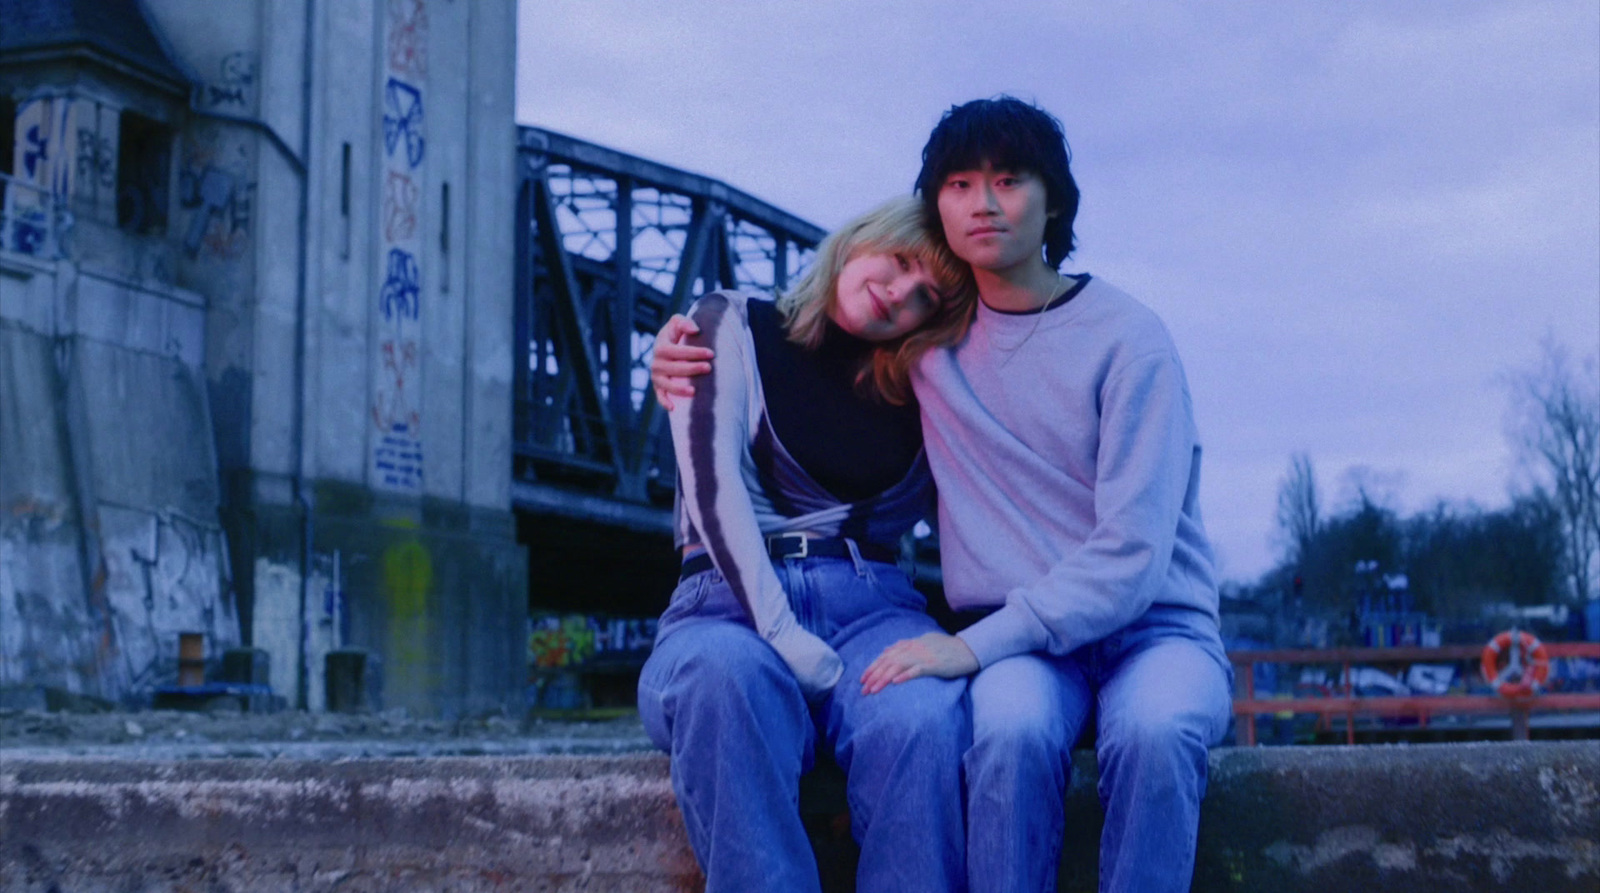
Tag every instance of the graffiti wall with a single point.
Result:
(42, 165)
(397, 397)
(217, 192)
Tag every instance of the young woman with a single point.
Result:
(1062, 436)
(800, 467)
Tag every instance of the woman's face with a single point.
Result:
(883, 296)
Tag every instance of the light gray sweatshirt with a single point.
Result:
(1065, 452)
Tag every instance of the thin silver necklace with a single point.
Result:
(1038, 317)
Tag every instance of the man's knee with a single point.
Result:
(1154, 738)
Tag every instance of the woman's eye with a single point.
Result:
(901, 260)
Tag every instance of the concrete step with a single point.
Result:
(1384, 818)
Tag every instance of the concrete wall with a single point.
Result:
(1435, 817)
(342, 324)
(110, 544)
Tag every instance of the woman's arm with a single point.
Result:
(711, 434)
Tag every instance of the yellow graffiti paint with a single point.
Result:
(407, 579)
(408, 584)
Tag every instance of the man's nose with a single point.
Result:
(990, 202)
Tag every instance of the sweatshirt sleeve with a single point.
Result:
(1146, 457)
(711, 433)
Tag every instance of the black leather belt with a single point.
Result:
(798, 545)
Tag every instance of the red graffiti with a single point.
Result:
(400, 199)
(408, 39)
(392, 409)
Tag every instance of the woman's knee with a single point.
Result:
(927, 714)
(719, 668)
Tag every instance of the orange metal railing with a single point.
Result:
(1347, 703)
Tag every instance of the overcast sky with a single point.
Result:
(1353, 217)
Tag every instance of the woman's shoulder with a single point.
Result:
(720, 314)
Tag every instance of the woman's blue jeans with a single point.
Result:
(1161, 692)
(717, 698)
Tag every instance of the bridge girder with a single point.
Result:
(608, 246)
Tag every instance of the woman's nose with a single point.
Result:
(901, 286)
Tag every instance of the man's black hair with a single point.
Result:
(1010, 135)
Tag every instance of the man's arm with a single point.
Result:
(673, 361)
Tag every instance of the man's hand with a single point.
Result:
(930, 654)
(673, 363)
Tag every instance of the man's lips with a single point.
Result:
(984, 231)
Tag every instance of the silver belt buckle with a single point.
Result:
(777, 545)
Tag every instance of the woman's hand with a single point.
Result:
(930, 654)
(673, 363)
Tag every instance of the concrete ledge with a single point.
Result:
(1432, 817)
(463, 824)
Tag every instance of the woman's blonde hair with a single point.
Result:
(895, 227)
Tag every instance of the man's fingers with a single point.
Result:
(677, 328)
(670, 368)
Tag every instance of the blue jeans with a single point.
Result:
(1161, 689)
(717, 698)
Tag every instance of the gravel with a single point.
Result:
(178, 735)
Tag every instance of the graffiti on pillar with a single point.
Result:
(214, 189)
(96, 161)
(402, 120)
(400, 199)
(397, 458)
(397, 449)
(35, 151)
(401, 286)
(408, 587)
(234, 80)
(408, 38)
(35, 217)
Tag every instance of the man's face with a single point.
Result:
(994, 219)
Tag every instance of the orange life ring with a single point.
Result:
(1523, 674)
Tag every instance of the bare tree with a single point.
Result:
(1554, 426)
(1299, 516)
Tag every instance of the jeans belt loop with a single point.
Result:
(855, 557)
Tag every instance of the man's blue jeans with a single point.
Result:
(1161, 690)
(717, 698)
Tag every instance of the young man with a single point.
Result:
(1062, 440)
(1063, 444)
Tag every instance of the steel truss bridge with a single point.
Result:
(608, 246)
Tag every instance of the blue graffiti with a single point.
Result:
(402, 285)
(211, 192)
(36, 149)
(28, 232)
(402, 120)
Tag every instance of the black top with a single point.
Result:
(1078, 282)
(855, 446)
